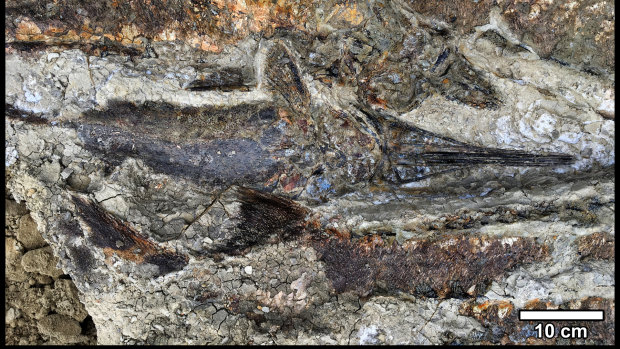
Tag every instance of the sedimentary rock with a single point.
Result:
(317, 172)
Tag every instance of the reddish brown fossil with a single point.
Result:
(451, 266)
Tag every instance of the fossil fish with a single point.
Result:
(265, 146)
(449, 267)
(290, 144)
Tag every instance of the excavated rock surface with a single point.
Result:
(302, 172)
(42, 303)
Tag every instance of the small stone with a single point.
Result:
(28, 234)
(43, 279)
(471, 290)
(41, 261)
(66, 300)
(190, 233)
(12, 249)
(52, 56)
(66, 173)
(248, 270)
(12, 208)
(11, 315)
(310, 255)
(60, 327)
(13, 266)
(50, 172)
(78, 182)
(265, 309)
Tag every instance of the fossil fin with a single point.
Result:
(415, 154)
(241, 218)
(226, 79)
(114, 236)
(284, 78)
(16, 114)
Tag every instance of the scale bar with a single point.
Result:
(561, 315)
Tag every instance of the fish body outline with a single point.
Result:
(291, 144)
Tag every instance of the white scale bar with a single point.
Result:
(561, 315)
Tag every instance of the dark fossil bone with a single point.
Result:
(452, 266)
(224, 79)
(415, 154)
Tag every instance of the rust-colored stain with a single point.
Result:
(289, 183)
(376, 101)
(210, 25)
(499, 308)
(116, 237)
(206, 25)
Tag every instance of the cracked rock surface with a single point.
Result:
(358, 172)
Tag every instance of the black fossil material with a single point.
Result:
(265, 145)
(208, 145)
(257, 158)
(223, 79)
(262, 218)
(281, 144)
(415, 154)
(114, 236)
